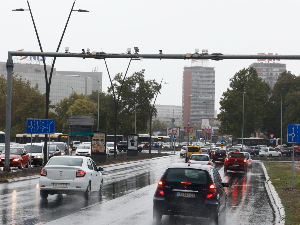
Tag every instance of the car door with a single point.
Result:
(98, 176)
(220, 188)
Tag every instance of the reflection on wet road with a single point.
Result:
(127, 199)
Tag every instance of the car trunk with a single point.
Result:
(61, 172)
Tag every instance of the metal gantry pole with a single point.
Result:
(243, 123)
(281, 121)
(293, 166)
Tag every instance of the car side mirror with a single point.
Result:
(57, 150)
(100, 168)
(225, 184)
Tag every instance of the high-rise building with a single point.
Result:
(198, 94)
(269, 71)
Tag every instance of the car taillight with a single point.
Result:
(252, 149)
(211, 191)
(214, 153)
(159, 188)
(226, 159)
(80, 173)
(189, 161)
(43, 172)
(184, 182)
(209, 163)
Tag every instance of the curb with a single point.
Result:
(275, 200)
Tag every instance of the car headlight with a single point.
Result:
(62, 153)
(38, 156)
(17, 159)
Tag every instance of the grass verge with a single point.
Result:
(281, 177)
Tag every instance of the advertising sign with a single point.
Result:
(204, 123)
(133, 142)
(99, 143)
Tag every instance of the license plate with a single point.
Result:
(186, 195)
(235, 165)
(60, 185)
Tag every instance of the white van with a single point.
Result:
(36, 153)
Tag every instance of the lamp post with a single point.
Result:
(72, 101)
(189, 111)
(48, 81)
(98, 108)
(243, 122)
(135, 105)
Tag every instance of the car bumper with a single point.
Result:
(11, 164)
(73, 186)
(36, 161)
(237, 167)
(204, 210)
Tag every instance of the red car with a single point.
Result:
(18, 158)
(236, 161)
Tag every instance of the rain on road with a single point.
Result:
(127, 198)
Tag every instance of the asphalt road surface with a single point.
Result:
(127, 199)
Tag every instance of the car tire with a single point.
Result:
(43, 194)
(156, 215)
(101, 190)
(21, 165)
(27, 166)
(214, 219)
(87, 192)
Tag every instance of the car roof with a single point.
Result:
(200, 154)
(190, 166)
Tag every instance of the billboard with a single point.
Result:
(133, 142)
(99, 143)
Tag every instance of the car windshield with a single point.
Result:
(199, 158)
(16, 151)
(186, 175)
(236, 155)
(34, 148)
(193, 149)
(61, 147)
(83, 147)
(52, 148)
(109, 145)
(63, 161)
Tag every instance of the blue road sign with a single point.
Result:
(271, 141)
(40, 126)
(293, 133)
(222, 141)
(174, 137)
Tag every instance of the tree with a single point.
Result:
(162, 127)
(285, 88)
(256, 93)
(27, 102)
(131, 94)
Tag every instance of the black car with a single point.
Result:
(190, 190)
(253, 150)
(122, 146)
(219, 155)
(53, 150)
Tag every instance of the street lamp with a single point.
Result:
(243, 121)
(48, 81)
(189, 111)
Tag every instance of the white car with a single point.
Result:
(269, 152)
(110, 147)
(167, 145)
(202, 159)
(83, 150)
(70, 175)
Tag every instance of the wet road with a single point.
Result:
(127, 199)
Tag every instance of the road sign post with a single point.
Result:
(294, 138)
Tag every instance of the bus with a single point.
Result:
(255, 141)
(36, 138)
(2, 137)
(111, 138)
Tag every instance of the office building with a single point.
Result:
(198, 94)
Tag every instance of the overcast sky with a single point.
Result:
(176, 27)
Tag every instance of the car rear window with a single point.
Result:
(63, 161)
(199, 158)
(236, 155)
(193, 149)
(186, 175)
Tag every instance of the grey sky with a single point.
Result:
(228, 27)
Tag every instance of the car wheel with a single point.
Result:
(43, 194)
(87, 192)
(214, 219)
(101, 190)
(156, 215)
(21, 165)
(27, 166)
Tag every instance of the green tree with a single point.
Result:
(131, 94)
(27, 102)
(285, 89)
(256, 93)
